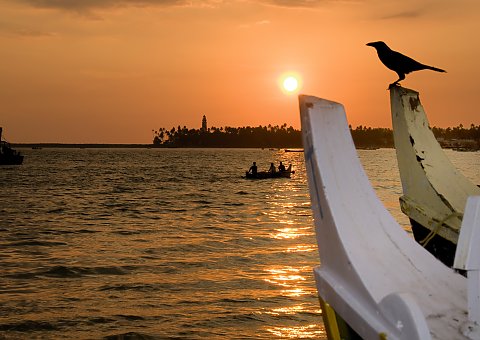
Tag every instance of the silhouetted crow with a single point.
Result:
(398, 62)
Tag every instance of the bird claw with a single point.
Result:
(392, 85)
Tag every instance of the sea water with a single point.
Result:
(166, 243)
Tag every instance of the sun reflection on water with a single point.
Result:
(290, 310)
(301, 248)
(302, 332)
(288, 233)
(285, 273)
(289, 278)
(293, 239)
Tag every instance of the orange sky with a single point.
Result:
(110, 71)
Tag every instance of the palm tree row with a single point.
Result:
(286, 137)
(260, 136)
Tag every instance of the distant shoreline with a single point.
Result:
(126, 146)
(457, 145)
(150, 146)
(81, 146)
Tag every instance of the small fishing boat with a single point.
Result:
(293, 150)
(374, 281)
(268, 174)
(434, 191)
(9, 156)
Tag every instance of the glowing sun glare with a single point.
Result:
(290, 84)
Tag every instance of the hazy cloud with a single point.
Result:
(85, 5)
(254, 24)
(381, 9)
(409, 14)
(296, 3)
(31, 33)
(12, 30)
(413, 9)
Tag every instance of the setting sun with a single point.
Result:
(290, 84)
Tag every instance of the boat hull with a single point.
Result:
(439, 247)
(266, 174)
(11, 160)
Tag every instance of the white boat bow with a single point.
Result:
(381, 282)
(434, 191)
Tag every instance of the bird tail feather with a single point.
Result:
(435, 69)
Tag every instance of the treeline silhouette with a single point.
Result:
(286, 137)
(367, 137)
(230, 137)
(458, 132)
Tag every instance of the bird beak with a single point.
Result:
(370, 44)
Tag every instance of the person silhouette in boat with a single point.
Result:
(253, 169)
(272, 168)
(281, 167)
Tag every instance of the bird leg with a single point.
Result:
(401, 76)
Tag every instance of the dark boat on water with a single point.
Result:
(268, 174)
(9, 156)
